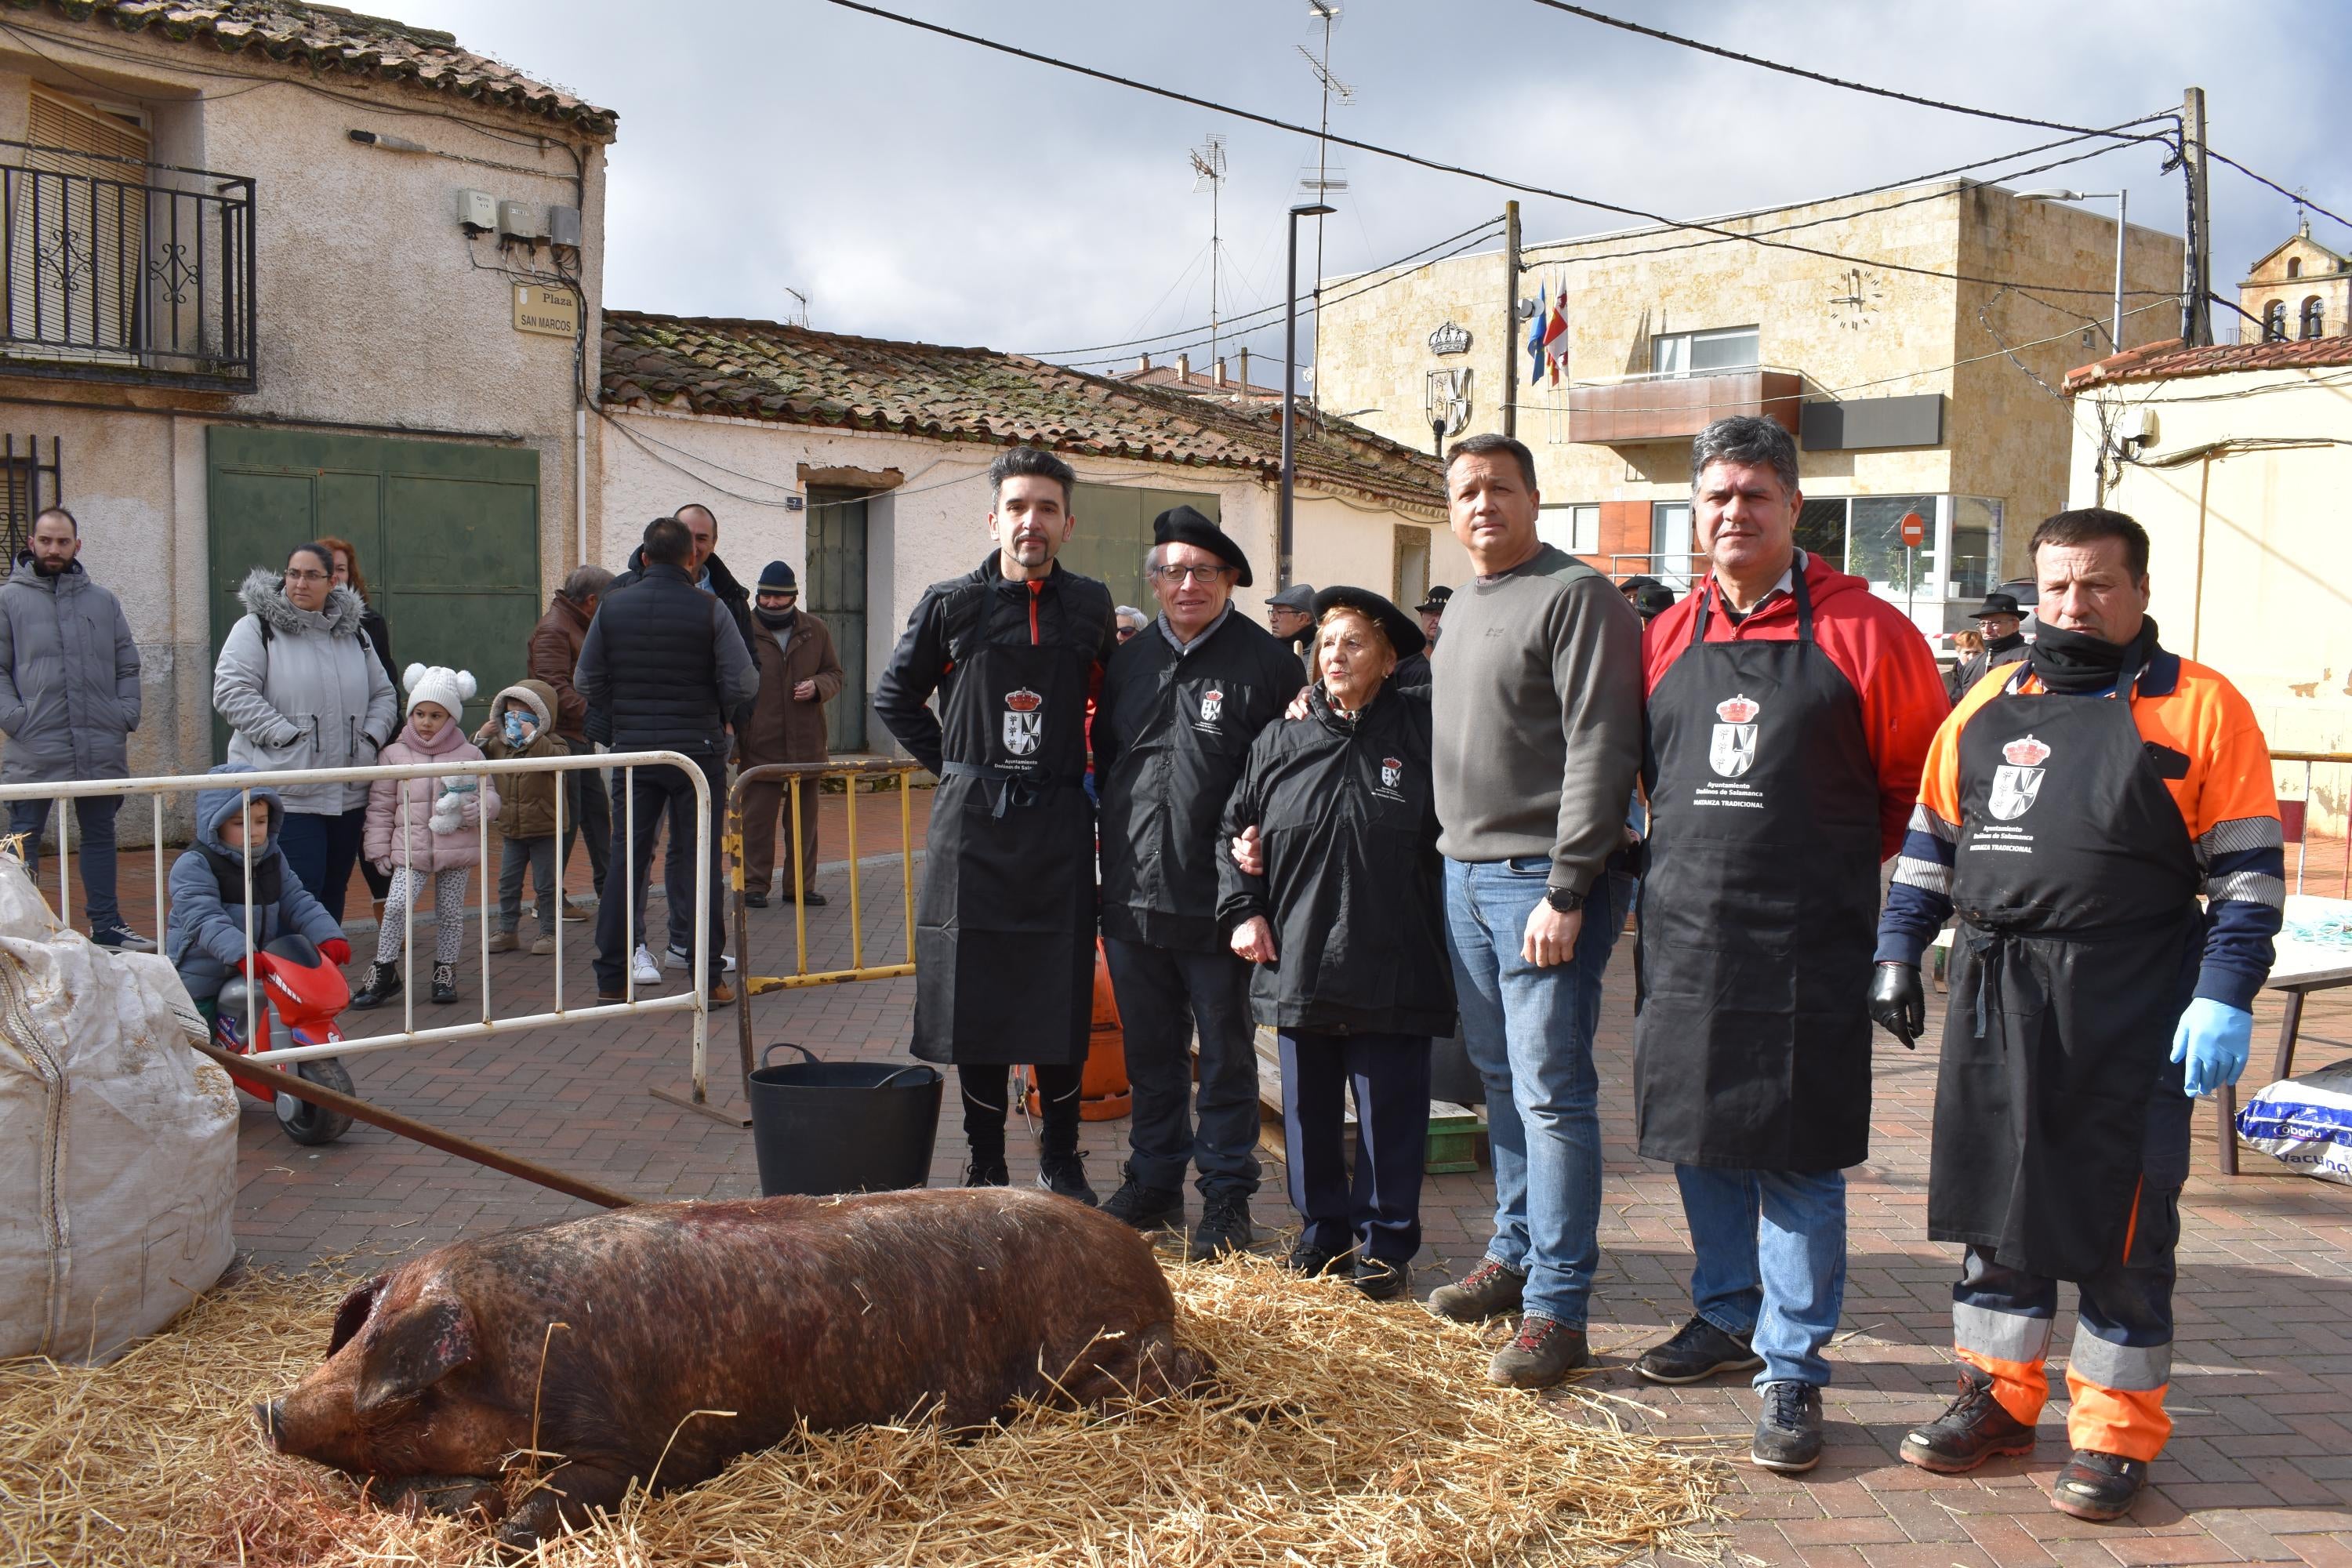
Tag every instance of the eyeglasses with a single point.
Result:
(1204, 576)
(1127, 632)
(309, 577)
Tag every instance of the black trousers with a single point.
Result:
(1379, 1209)
(588, 814)
(661, 791)
(987, 1102)
(1163, 993)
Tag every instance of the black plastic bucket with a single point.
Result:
(821, 1127)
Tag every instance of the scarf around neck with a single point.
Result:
(2076, 663)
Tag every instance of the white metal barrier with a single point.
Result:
(696, 1001)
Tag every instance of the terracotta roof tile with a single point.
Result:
(339, 42)
(762, 370)
(2172, 360)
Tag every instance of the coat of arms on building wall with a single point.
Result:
(1446, 396)
(1450, 339)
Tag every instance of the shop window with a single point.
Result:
(1573, 527)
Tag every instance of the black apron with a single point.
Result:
(1005, 928)
(2075, 955)
(1759, 908)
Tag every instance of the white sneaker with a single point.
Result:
(679, 958)
(643, 968)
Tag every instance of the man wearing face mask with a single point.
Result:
(2073, 808)
(1005, 925)
(799, 674)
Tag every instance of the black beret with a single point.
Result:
(1182, 525)
(1404, 632)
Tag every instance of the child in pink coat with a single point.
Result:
(425, 828)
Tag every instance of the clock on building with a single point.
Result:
(1857, 294)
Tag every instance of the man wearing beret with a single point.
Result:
(799, 674)
(1181, 704)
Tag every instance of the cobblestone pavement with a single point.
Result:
(2259, 1470)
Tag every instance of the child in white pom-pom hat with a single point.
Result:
(428, 827)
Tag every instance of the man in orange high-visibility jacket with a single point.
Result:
(2072, 809)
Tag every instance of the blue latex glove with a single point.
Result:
(2214, 1038)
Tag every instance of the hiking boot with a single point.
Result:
(1544, 1351)
(1698, 1349)
(382, 984)
(504, 942)
(1224, 1227)
(542, 947)
(120, 938)
(445, 983)
(987, 1174)
(1064, 1176)
(2098, 1486)
(1973, 1429)
(1147, 1208)
(1382, 1279)
(1314, 1262)
(721, 994)
(1489, 1290)
(1788, 1433)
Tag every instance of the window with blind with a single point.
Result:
(29, 483)
(76, 220)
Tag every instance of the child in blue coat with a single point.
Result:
(205, 936)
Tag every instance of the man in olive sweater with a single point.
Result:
(1538, 737)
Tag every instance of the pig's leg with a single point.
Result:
(478, 1497)
(568, 1497)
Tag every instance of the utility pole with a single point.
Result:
(1510, 318)
(2196, 280)
(1209, 168)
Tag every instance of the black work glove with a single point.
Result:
(1898, 1004)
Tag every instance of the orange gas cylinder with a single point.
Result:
(1103, 1091)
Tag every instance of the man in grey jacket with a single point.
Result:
(1538, 713)
(69, 702)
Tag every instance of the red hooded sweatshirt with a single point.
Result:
(1875, 644)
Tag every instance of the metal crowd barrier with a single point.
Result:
(2295, 814)
(695, 1001)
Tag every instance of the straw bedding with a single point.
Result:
(1340, 1432)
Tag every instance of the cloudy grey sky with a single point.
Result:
(914, 186)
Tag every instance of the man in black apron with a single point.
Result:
(1789, 711)
(1004, 926)
(2071, 812)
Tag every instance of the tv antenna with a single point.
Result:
(1325, 182)
(796, 294)
(1209, 170)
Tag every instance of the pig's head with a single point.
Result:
(399, 1391)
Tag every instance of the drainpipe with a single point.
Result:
(580, 475)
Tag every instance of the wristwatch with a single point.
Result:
(1563, 900)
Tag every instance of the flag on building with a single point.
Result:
(1536, 340)
(1554, 322)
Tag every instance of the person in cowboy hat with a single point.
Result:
(1998, 622)
(1290, 616)
(1181, 704)
(1413, 669)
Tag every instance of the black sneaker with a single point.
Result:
(1382, 1279)
(1544, 1351)
(383, 984)
(1064, 1176)
(1314, 1262)
(755, 900)
(1698, 1349)
(1224, 1226)
(1147, 1208)
(987, 1174)
(1788, 1433)
(120, 938)
(2098, 1486)
(1489, 1290)
(1972, 1428)
(445, 983)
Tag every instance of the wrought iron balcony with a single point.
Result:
(116, 269)
(1675, 406)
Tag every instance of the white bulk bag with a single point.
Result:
(2304, 1123)
(118, 1144)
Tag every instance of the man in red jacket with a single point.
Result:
(1790, 710)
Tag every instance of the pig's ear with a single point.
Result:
(411, 1352)
(352, 1315)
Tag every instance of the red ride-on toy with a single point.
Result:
(306, 993)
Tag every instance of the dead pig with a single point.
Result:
(836, 1311)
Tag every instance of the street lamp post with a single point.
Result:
(2123, 206)
(1290, 387)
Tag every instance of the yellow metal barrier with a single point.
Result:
(793, 775)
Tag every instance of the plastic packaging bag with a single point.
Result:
(2305, 1122)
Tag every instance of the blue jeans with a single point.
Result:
(1770, 1261)
(92, 847)
(1529, 1034)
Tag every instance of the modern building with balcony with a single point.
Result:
(1913, 340)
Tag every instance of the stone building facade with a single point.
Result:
(2300, 290)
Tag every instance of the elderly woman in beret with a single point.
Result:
(1332, 890)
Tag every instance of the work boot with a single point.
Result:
(1973, 1429)
(383, 984)
(1544, 1351)
(1064, 1176)
(1144, 1207)
(1382, 1279)
(1314, 1262)
(542, 947)
(504, 942)
(987, 1172)
(445, 983)
(2098, 1486)
(754, 900)
(1698, 1349)
(1788, 1433)
(1489, 1290)
(1224, 1226)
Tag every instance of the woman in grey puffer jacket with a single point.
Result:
(302, 688)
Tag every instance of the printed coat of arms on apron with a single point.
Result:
(1731, 751)
(2019, 779)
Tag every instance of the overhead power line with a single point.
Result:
(2295, 196)
(1435, 166)
(1747, 59)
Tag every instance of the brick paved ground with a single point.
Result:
(2260, 1470)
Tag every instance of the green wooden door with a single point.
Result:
(835, 594)
(447, 536)
(1114, 533)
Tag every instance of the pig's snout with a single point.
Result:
(271, 1413)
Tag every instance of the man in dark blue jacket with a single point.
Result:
(666, 660)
